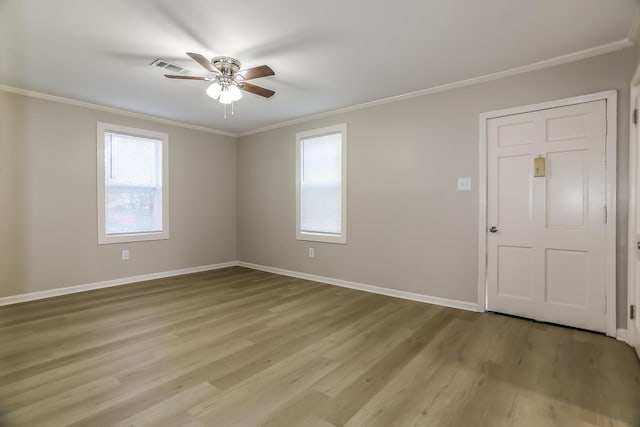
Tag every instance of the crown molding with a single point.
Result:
(91, 106)
(563, 59)
(634, 32)
(633, 37)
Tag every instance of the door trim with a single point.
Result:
(634, 142)
(611, 98)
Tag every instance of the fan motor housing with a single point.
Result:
(226, 65)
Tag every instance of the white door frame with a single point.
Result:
(633, 206)
(610, 197)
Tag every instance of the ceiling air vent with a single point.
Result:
(161, 63)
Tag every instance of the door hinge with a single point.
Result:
(632, 312)
(604, 214)
(605, 304)
(635, 116)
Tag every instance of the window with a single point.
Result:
(132, 184)
(321, 159)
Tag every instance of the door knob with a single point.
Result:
(493, 229)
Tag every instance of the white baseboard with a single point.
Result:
(14, 299)
(463, 305)
(621, 335)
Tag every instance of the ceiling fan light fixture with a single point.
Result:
(225, 98)
(214, 91)
(234, 93)
(229, 94)
(228, 81)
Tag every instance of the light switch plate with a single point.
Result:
(464, 184)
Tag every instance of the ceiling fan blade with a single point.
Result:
(256, 72)
(248, 87)
(202, 61)
(171, 76)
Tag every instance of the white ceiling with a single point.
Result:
(327, 54)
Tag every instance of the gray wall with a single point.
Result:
(408, 227)
(48, 219)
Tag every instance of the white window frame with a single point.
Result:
(322, 237)
(104, 238)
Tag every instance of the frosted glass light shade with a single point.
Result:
(230, 94)
(213, 91)
(234, 93)
(225, 97)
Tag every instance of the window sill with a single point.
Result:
(134, 237)
(320, 237)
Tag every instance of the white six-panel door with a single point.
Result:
(545, 256)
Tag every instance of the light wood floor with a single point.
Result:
(238, 347)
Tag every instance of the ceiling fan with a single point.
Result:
(228, 80)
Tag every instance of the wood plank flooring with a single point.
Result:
(238, 347)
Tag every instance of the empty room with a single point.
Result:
(322, 214)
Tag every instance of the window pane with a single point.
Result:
(321, 186)
(131, 210)
(133, 187)
(131, 160)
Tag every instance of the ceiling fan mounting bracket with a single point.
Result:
(226, 65)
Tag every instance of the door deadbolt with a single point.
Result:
(494, 229)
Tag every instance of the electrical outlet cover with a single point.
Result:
(464, 184)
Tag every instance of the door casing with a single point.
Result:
(610, 230)
(632, 337)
